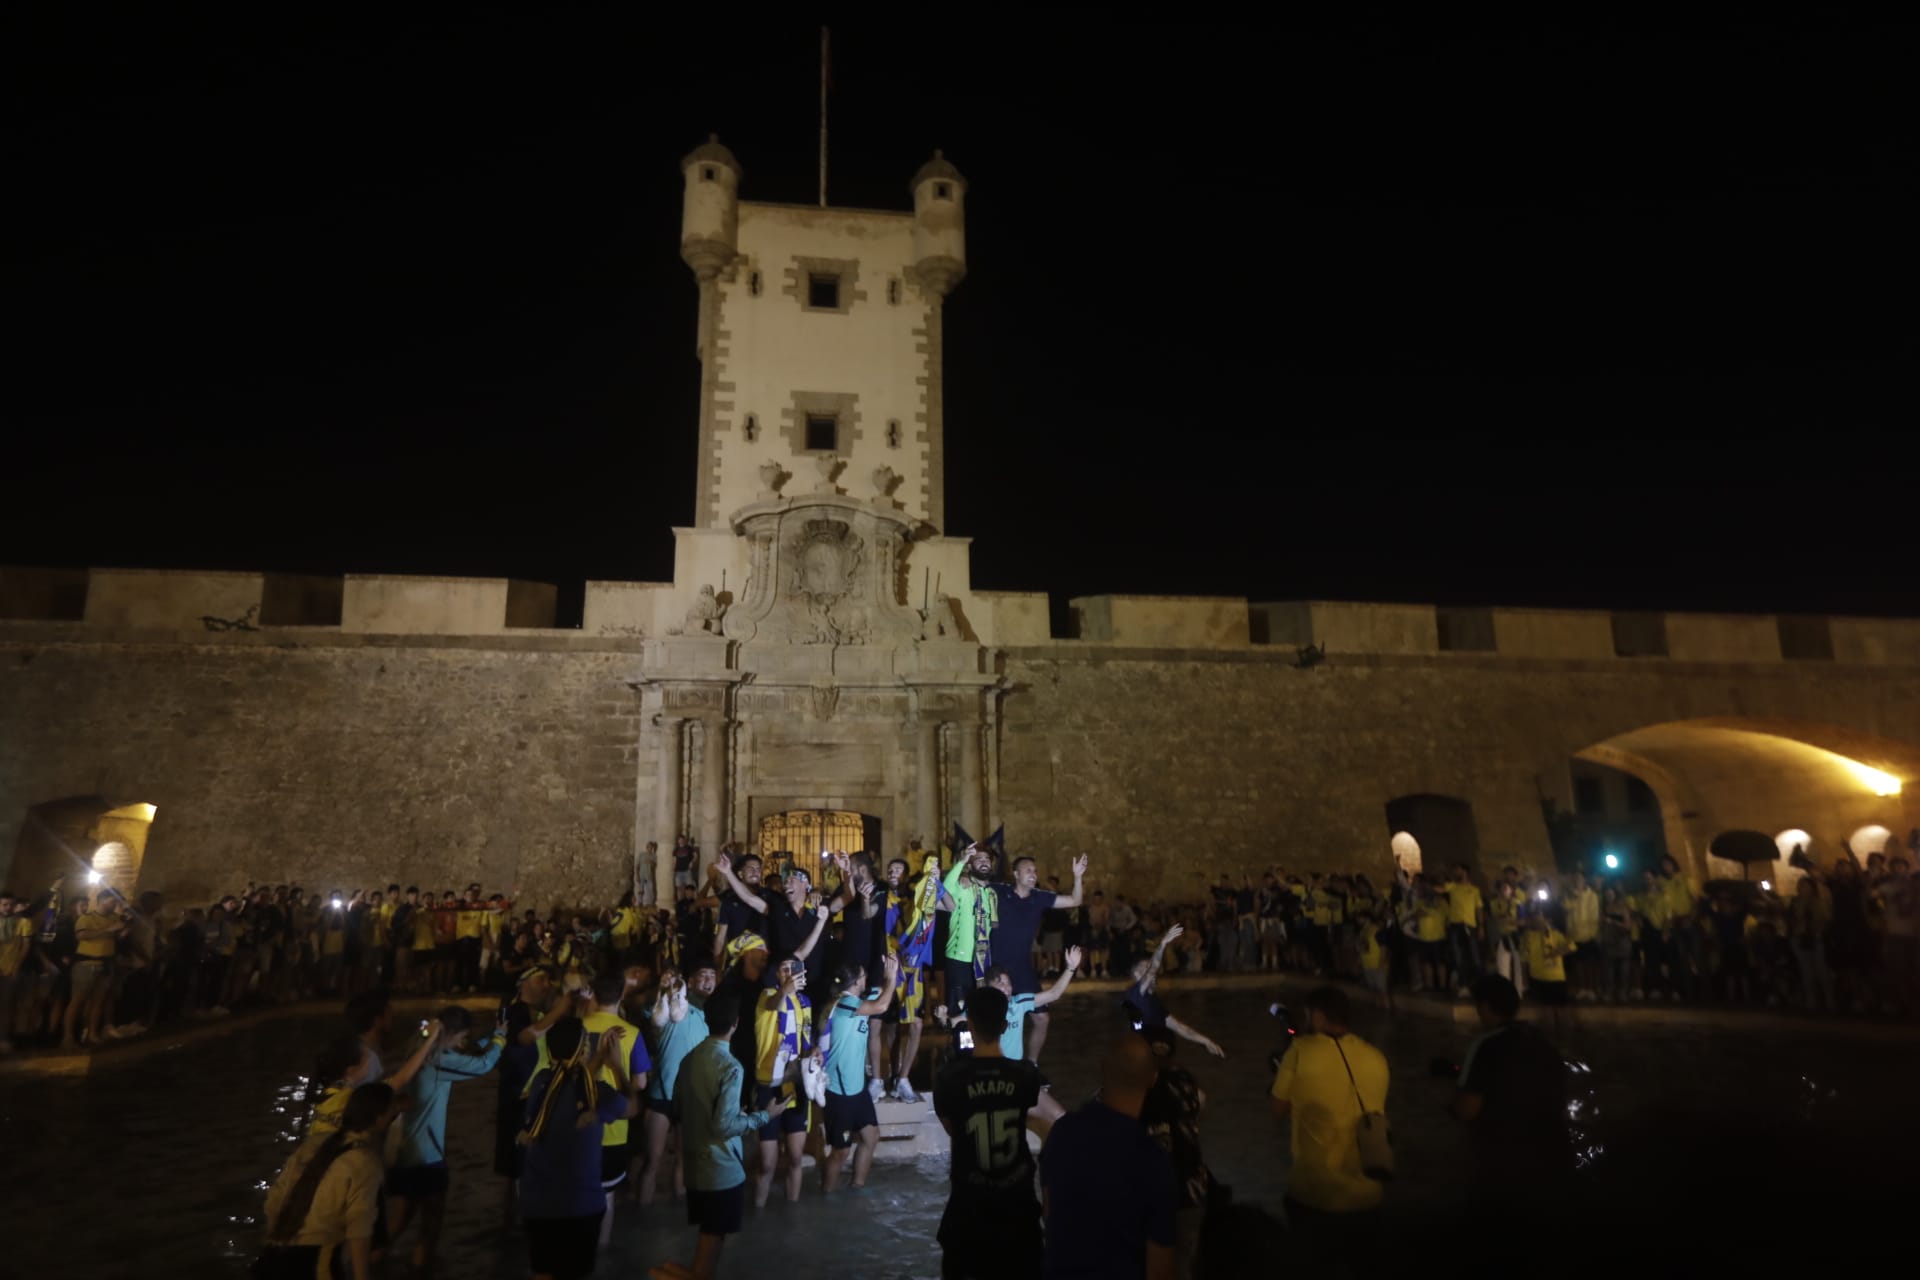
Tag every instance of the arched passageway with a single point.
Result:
(81, 840)
(1822, 785)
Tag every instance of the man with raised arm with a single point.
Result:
(965, 893)
(792, 931)
(1020, 908)
(849, 1107)
(1144, 1008)
(1012, 1040)
(736, 917)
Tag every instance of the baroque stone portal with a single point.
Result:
(821, 571)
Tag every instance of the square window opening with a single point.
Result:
(942, 191)
(707, 173)
(823, 432)
(823, 292)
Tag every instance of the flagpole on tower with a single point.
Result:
(823, 117)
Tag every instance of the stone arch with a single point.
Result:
(78, 838)
(1720, 773)
(1441, 828)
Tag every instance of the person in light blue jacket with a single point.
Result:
(707, 1096)
(418, 1178)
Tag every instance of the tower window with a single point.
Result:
(753, 283)
(707, 173)
(823, 432)
(752, 428)
(893, 293)
(823, 291)
(893, 433)
(941, 191)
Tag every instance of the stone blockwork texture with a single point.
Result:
(1170, 767)
(338, 764)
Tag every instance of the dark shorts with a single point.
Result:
(665, 1107)
(716, 1213)
(565, 1248)
(847, 1115)
(1549, 993)
(614, 1163)
(795, 1119)
(417, 1181)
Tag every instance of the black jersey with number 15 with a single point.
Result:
(985, 1103)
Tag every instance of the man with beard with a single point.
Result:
(972, 902)
(792, 931)
(736, 917)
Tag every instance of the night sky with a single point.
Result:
(1571, 317)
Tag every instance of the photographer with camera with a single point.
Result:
(1331, 1085)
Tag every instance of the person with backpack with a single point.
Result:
(328, 1196)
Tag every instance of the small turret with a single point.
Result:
(939, 225)
(710, 211)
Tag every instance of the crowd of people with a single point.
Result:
(1845, 938)
(693, 1050)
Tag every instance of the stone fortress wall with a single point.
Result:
(440, 730)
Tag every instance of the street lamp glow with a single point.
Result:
(93, 877)
(1542, 895)
(1766, 886)
(1613, 862)
(1875, 780)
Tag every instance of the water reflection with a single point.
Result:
(198, 1135)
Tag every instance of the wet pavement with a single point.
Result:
(159, 1166)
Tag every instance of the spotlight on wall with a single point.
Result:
(1613, 862)
(1875, 780)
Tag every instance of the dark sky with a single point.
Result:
(1600, 316)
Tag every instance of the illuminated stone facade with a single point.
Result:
(822, 647)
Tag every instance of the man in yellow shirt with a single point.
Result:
(95, 932)
(1655, 907)
(629, 1076)
(1582, 904)
(1326, 1081)
(1545, 949)
(1466, 927)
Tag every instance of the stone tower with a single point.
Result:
(819, 337)
(820, 653)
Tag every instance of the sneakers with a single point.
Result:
(876, 1088)
(903, 1091)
